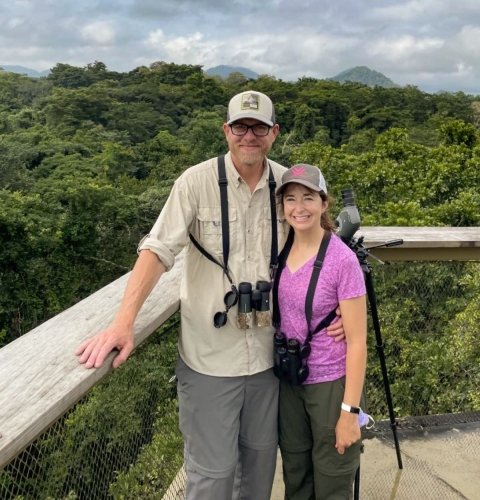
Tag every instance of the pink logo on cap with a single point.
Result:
(298, 172)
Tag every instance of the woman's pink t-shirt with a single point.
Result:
(341, 278)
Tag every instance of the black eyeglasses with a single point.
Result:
(259, 129)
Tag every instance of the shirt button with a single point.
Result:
(249, 231)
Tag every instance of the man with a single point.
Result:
(228, 395)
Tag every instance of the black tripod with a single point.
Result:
(362, 253)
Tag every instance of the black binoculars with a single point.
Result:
(288, 358)
(257, 300)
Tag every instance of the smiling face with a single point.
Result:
(249, 150)
(303, 207)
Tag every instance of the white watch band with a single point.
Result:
(350, 409)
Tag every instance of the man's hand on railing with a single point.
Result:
(94, 350)
(119, 335)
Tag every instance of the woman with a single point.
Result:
(318, 418)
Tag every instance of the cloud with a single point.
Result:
(426, 42)
(170, 8)
(409, 10)
(99, 33)
(280, 54)
(14, 22)
(403, 47)
(468, 42)
(426, 9)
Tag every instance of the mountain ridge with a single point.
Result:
(365, 75)
(360, 74)
(224, 70)
(25, 71)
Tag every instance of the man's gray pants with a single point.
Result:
(229, 425)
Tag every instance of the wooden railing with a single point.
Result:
(40, 377)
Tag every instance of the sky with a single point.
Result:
(433, 44)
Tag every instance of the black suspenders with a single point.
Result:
(223, 183)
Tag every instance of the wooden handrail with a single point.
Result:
(40, 377)
(424, 243)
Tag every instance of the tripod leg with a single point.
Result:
(381, 354)
(356, 485)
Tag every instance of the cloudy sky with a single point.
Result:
(434, 44)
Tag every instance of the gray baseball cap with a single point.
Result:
(307, 175)
(251, 104)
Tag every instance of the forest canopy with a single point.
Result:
(88, 156)
(87, 159)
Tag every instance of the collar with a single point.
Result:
(236, 178)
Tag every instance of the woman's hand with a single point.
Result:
(347, 431)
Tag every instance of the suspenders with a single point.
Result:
(223, 183)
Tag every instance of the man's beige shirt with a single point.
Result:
(194, 206)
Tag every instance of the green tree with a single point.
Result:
(67, 76)
(305, 123)
(458, 132)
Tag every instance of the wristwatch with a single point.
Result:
(350, 409)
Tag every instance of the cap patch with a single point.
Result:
(298, 171)
(250, 101)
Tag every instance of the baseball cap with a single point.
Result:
(307, 175)
(251, 104)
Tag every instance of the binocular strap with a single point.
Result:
(317, 267)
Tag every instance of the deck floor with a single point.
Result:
(437, 464)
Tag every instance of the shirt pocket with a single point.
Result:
(282, 230)
(210, 230)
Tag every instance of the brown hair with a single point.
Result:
(326, 220)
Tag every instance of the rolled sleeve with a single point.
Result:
(169, 234)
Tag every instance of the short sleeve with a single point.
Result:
(351, 281)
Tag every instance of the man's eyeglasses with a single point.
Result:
(259, 129)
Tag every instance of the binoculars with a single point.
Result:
(253, 305)
(288, 358)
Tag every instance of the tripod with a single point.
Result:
(362, 253)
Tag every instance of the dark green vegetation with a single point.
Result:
(87, 159)
(367, 76)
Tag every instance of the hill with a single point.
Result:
(367, 76)
(224, 71)
(25, 71)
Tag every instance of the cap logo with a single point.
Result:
(298, 172)
(250, 101)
